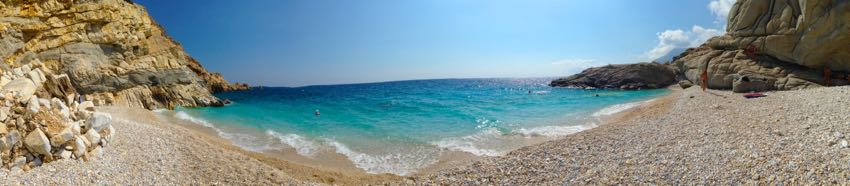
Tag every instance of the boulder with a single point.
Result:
(33, 105)
(76, 128)
(685, 84)
(64, 154)
(93, 137)
(19, 162)
(86, 106)
(10, 140)
(627, 76)
(99, 121)
(62, 137)
(37, 142)
(22, 87)
(80, 146)
(4, 113)
(787, 44)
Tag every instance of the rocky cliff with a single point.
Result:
(111, 50)
(776, 45)
(628, 77)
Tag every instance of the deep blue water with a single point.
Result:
(400, 127)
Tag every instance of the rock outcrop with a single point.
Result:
(38, 127)
(628, 76)
(782, 45)
(62, 58)
(111, 51)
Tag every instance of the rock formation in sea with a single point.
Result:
(627, 76)
(775, 45)
(112, 51)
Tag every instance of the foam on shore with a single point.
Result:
(400, 163)
(614, 109)
(472, 143)
(302, 145)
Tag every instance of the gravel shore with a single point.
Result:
(147, 152)
(689, 137)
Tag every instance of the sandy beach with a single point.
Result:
(688, 136)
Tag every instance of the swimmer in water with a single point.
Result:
(317, 112)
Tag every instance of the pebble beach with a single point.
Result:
(686, 137)
(689, 137)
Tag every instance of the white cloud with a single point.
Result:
(673, 39)
(720, 9)
(669, 40)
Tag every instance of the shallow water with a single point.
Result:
(402, 127)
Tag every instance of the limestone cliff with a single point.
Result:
(111, 50)
(780, 45)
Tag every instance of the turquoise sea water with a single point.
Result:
(401, 127)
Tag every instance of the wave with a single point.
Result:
(614, 109)
(402, 163)
(245, 141)
(301, 145)
(472, 143)
(554, 131)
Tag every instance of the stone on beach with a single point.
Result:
(93, 137)
(37, 142)
(79, 146)
(24, 88)
(63, 136)
(98, 121)
(33, 105)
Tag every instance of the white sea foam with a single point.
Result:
(182, 115)
(472, 143)
(400, 163)
(302, 145)
(245, 141)
(554, 131)
(160, 110)
(614, 109)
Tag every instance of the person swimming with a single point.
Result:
(318, 113)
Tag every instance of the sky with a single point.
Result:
(314, 42)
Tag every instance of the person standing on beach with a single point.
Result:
(704, 78)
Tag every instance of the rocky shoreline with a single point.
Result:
(715, 137)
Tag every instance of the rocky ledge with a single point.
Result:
(59, 59)
(111, 50)
(628, 76)
(775, 45)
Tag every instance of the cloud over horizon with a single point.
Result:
(670, 40)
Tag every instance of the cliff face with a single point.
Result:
(783, 45)
(111, 50)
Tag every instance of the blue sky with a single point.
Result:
(308, 42)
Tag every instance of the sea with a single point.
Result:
(402, 127)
